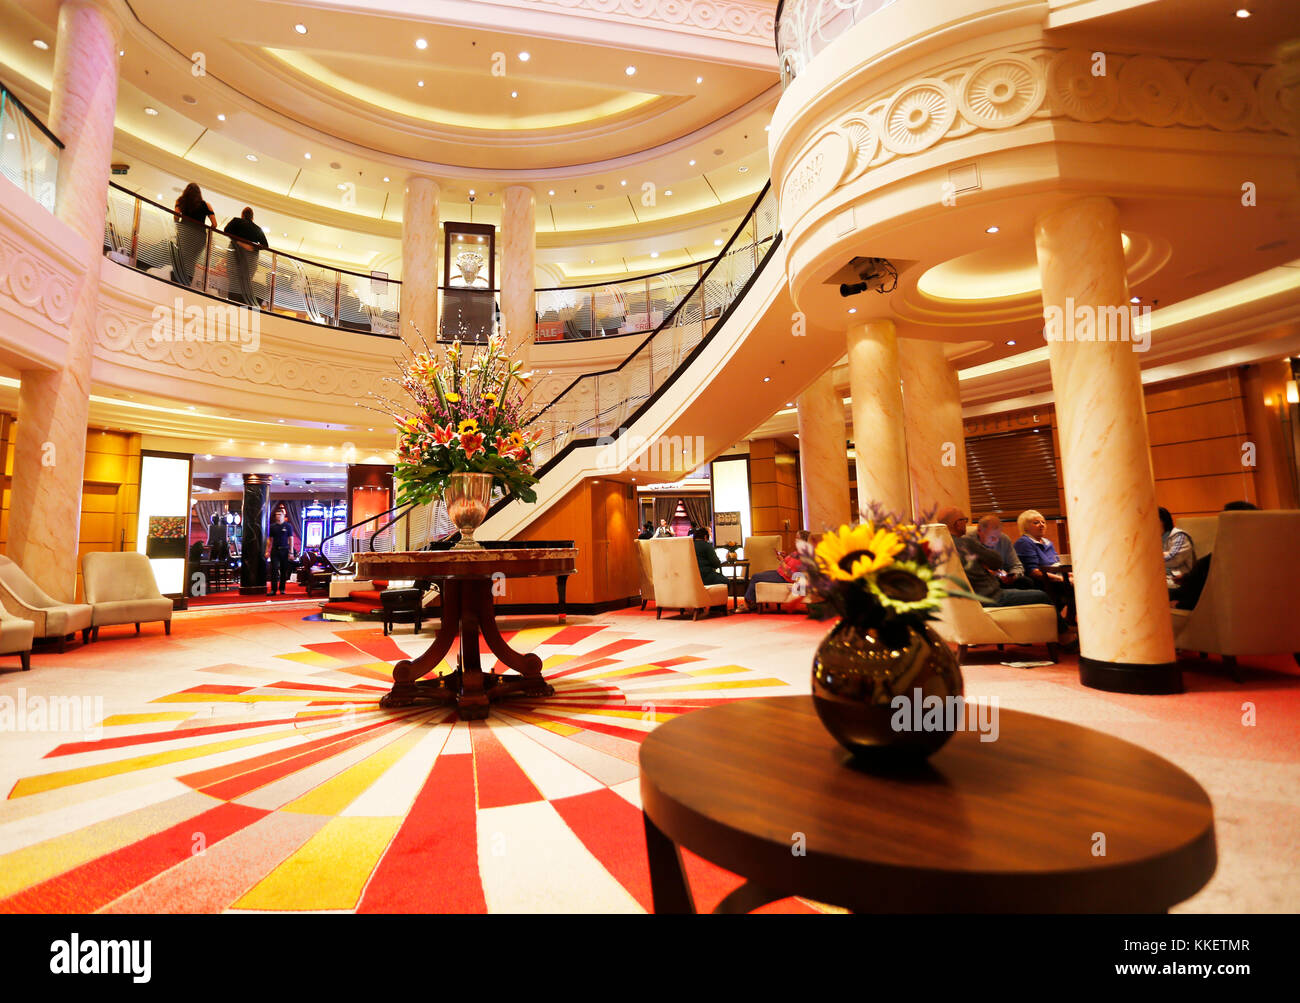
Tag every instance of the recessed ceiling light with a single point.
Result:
(340, 247)
(550, 191)
(524, 57)
(1010, 343)
(1242, 12)
(385, 179)
(306, 156)
(514, 94)
(40, 44)
(1135, 299)
(630, 70)
(590, 206)
(853, 309)
(341, 187)
(743, 170)
(121, 52)
(10, 136)
(692, 163)
(419, 83)
(992, 229)
(471, 191)
(789, 403)
(221, 118)
(420, 43)
(767, 379)
(591, 261)
(623, 183)
(150, 111)
(699, 80)
(717, 242)
(668, 192)
(284, 235)
(251, 157)
(301, 29)
(654, 254)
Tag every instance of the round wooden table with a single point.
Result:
(1050, 817)
(465, 579)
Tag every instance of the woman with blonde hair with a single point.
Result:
(1038, 555)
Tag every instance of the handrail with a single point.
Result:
(11, 96)
(672, 314)
(808, 22)
(627, 278)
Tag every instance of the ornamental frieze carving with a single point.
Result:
(34, 283)
(731, 17)
(1007, 89)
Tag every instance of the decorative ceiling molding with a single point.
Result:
(751, 22)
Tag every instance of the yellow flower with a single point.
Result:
(908, 587)
(469, 425)
(853, 552)
(490, 397)
(452, 398)
(517, 439)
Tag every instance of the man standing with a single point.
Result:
(664, 531)
(246, 237)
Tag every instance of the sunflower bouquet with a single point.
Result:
(467, 418)
(879, 575)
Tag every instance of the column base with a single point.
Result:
(1131, 677)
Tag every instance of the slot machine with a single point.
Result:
(314, 523)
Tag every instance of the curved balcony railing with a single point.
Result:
(29, 152)
(601, 404)
(606, 309)
(142, 234)
(805, 27)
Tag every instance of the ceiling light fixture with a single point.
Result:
(306, 156)
(623, 183)
(630, 71)
(420, 43)
(514, 94)
(699, 80)
(767, 379)
(1243, 13)
(1011, 344)
(853, 309)
(550, 191)
(419, 83)
(250, 156)
(743, 170)
(654, 254)
(301, 29)
(150, 111)
(121, 52)
(717, 242)
(524, 57)
(341, 186)
(692, 163)
(992, 229)
(1135, 299)
(471, 191)
(385, 179)
(40, 44)
(668, 192)
(221, 118)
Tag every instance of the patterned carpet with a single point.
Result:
(244, 765)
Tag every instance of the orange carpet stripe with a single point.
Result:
(501, 781)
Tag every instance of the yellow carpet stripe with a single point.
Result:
(537, 719)
(555, 661)
(722, 684)
(721, 670)
(530, 637)
(571, 709)
(249, 698)
(601, 674)
(331, 797)
(310, 658)
(167, 715)
(366, 672)
(329, 871)
(84, 774)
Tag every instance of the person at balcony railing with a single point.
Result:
(191, 237)
(246, 237)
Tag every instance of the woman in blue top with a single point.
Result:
(1039, 557)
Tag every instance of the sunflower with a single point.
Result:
(853, 552)
(490, 397)
(452, 398)
(907, 587)
(468, 426)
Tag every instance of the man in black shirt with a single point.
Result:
(245, 239)
(279, 546)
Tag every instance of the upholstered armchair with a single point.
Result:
(965, 622)
(677, 581)
(1251, 595)
(23, 598)
(760, 552)
(121, 588)
(647, 576)
(16, 637)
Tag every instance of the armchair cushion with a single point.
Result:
(15, 634)
(23, 598)
(677, 581)
(121, 588)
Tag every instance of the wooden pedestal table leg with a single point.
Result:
(530, 681)
(669, 891)
(561, 583)
(406, 672)
(472, 698)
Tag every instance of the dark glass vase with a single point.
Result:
(857, 676)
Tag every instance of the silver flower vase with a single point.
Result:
(467, 497)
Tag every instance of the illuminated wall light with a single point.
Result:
(550, 191)
(668, 192)
(692, 163)
(1292, 392)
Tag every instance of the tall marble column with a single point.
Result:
(518, 260)
(823, 456)
(1125, 632)
(420, 248)
(53, 407)
(878, 416)
(935, 436)
(252, 544)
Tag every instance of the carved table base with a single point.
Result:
(467, 612)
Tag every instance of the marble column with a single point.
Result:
(252, 548)
(933, 430)
(421, 246)
(878, 416)
(518, 261)
(823, 456)
(1125, 632)
(53, 407)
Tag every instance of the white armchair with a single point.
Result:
(121, 588)
(16, 637)
(965, 622)
(647, 576)
(677, 580)
(23, 598)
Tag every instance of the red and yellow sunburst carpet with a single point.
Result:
(275, 782)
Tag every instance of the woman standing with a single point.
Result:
(191, 234)
(280, 543)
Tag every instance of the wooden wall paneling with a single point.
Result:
(1264, 405)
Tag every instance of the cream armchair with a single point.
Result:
(677, 581)
(23, 598)
(965, 622)
(647, 576)
(1251, 595)
(16, 637)
(121, 588)
(760, 552)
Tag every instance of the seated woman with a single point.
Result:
(707, 558)
(1180, 554)
(789, 566)
(1039, 557)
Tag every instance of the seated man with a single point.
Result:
(1180, 554)
(707, 558)
(980, 563)
(1012, 576)
(785, 571)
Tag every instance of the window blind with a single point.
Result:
(1012, 471)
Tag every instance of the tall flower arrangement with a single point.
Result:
(880, 575)
(466, 418)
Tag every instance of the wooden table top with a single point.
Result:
(521, 562)
(1012, 825)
